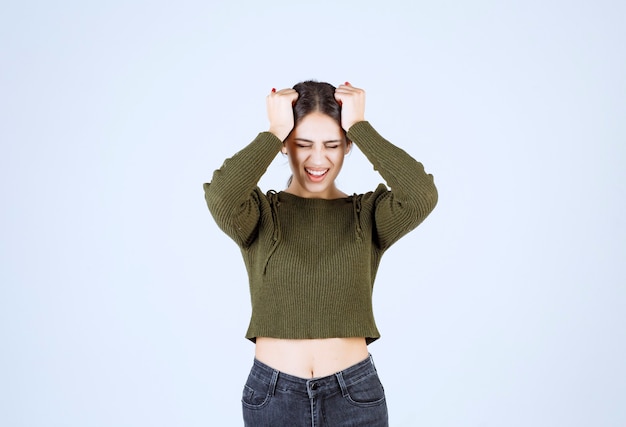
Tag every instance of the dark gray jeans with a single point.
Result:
(352, 397)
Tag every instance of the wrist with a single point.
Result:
(281, 132)
(352, 123)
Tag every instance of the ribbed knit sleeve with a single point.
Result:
(233, 196)
(413, 193)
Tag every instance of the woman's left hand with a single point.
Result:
(352, 100)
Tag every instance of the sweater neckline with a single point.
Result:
(285, 197)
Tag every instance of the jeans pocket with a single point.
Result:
(255, 393)
(366, 392)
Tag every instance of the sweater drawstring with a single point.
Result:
(276, 235)
(356, 209)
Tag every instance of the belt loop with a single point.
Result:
(342, 384)
(273, 382)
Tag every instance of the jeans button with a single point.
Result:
(314, 386)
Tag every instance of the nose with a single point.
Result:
(318, 154)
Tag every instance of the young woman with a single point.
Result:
(312, 252)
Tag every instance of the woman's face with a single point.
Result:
(316, 149)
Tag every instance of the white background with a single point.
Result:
(121, 302)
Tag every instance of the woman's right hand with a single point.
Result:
(280, 111)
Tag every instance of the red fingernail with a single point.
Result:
(347, 83)
(273, 90)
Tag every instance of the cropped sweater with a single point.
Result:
(312, 262)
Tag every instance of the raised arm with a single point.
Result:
(233, 196)
(412, 195)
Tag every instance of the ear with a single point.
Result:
(348, 147)
(284, 149)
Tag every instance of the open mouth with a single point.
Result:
(316, 174)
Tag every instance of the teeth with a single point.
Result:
(317, 173)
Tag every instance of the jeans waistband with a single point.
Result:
(313, 387)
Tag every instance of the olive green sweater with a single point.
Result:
(312, 262)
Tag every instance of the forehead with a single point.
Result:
(318, 126)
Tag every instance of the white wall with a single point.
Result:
(121, 302)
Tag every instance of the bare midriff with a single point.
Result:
(311, 358)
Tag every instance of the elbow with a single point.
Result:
(432, 196)
(424, 202)
(209, 196)
(216, 204)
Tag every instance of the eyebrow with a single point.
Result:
(331, 141)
